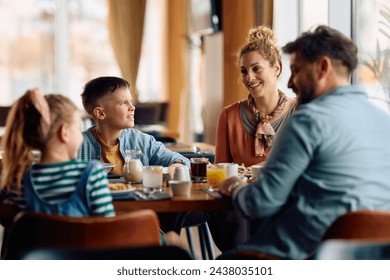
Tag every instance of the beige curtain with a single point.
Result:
(126, 25)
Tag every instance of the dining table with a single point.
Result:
(176, 212)
(201, 198)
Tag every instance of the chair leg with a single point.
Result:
(190, 244)
(202, 242)
(204, 233)
(210, 242)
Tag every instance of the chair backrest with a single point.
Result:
(139, 253)
(360, 225)
(363, 226)
(37, 230)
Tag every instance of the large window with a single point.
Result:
(57, 45)
(150, 80)
(366, 21)
(291, 17)
(372, 35)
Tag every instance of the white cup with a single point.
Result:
(182, 173)
(231, 168)
(180, 188)
(257, 172)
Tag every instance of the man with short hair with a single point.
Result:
(331, 157)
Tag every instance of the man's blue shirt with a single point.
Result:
(332, 156)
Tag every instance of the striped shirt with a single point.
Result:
(55, 183)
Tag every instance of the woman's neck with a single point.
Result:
(267, 104)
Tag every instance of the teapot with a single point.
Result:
(132, 169)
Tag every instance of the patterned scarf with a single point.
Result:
(265, 134)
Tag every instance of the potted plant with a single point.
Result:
(380, 64)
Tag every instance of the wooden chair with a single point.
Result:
(363, 227)
(36, 230)
(360, 225)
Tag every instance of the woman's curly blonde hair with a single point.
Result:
(262, 40)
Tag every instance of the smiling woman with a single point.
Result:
(250, 125)
(247, 128)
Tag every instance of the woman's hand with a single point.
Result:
(231, 185)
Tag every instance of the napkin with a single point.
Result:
(158, 195)
(124, 196)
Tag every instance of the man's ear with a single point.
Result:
(324, 66)
(98, 112)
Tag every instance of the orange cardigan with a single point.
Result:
(233, 142)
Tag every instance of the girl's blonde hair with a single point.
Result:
(262, 40)
(26, 130)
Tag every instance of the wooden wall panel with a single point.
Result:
(237, 18)
(176, 60)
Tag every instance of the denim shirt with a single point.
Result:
(331, 157)
(153, 152)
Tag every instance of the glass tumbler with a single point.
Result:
(199, 169)
(152, 178)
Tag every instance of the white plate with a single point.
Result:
(120, 192)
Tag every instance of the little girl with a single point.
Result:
(59, 183)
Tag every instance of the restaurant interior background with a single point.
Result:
(179, 52)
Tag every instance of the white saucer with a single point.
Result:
(121, 192)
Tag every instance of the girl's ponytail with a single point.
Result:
(27, 127)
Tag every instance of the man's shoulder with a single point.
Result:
(310, 115)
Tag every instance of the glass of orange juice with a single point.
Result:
(215, 175)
